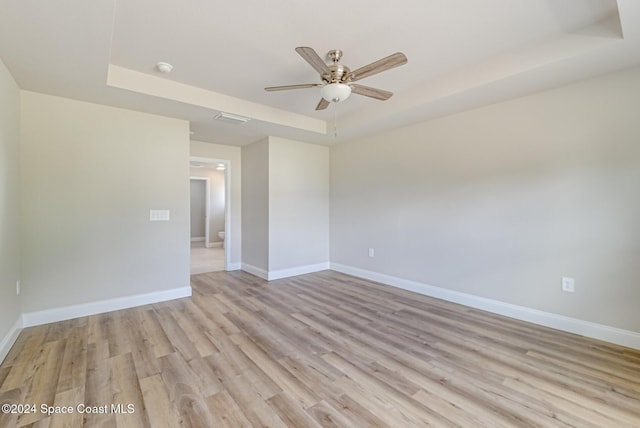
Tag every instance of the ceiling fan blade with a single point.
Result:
(287, 87)
(368, 91)
(309, 55)
(393, 60)
(323, 104)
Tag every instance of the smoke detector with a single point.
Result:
(164, 67)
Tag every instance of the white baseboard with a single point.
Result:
(234, 266)
(560, 322)
(197, 239)
(255, 271)
(69, 312)
(7, 342)
(299, 270)
(214, 244)
(284, 273)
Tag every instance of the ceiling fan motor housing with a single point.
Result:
(338, 73)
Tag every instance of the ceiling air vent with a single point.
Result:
(231, 118)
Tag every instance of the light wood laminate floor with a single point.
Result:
(318, 350)
(204, 260)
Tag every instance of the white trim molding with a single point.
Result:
(46, 316)
(284, 273)
(234, 266)
(7, 342)
(197, 239)
(299, 270)
(606, 333)
(261, 273)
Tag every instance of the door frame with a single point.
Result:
(227, 203)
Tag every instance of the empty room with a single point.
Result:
(285, 214)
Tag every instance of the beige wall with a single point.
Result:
(233, 155)
(255, 205)
(502, 201)
(90, 174)
(9, 203)
(298, 204)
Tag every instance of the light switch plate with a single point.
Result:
(568, 284)
(159, 215)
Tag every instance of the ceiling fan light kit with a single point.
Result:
(335, 92)
(338, 80)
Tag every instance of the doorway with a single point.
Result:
(208, 212)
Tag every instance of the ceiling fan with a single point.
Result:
(337, 79)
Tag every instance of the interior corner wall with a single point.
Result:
(90, 175)
(232, 154)
(298, 206)
(255, 207)
(502, 201)
(9, 207)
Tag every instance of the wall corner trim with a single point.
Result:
(593, 330)
(7, 342)
(46, 316)
(261, 273)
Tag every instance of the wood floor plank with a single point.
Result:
(118, 333)
(4, 372)
(142, 346)
(45, 380)
(208, 381)
(126, 395)
(323, 349)
(155, 396)
(283, 378)
(74, 361)
(226, 412)
(414, 413)
(183, 391)
(68, 398)
(291, 413)
(153, 330)
(354, 411)
(328, 416)
(176, 335)
(11, 396)
(194, 330)
(98, 385)
(254, 406)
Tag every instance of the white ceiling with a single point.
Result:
(462, 54)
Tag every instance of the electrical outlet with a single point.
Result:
(568, 284)
(17, 287)
(372, 252)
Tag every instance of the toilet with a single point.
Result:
(221, 236)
